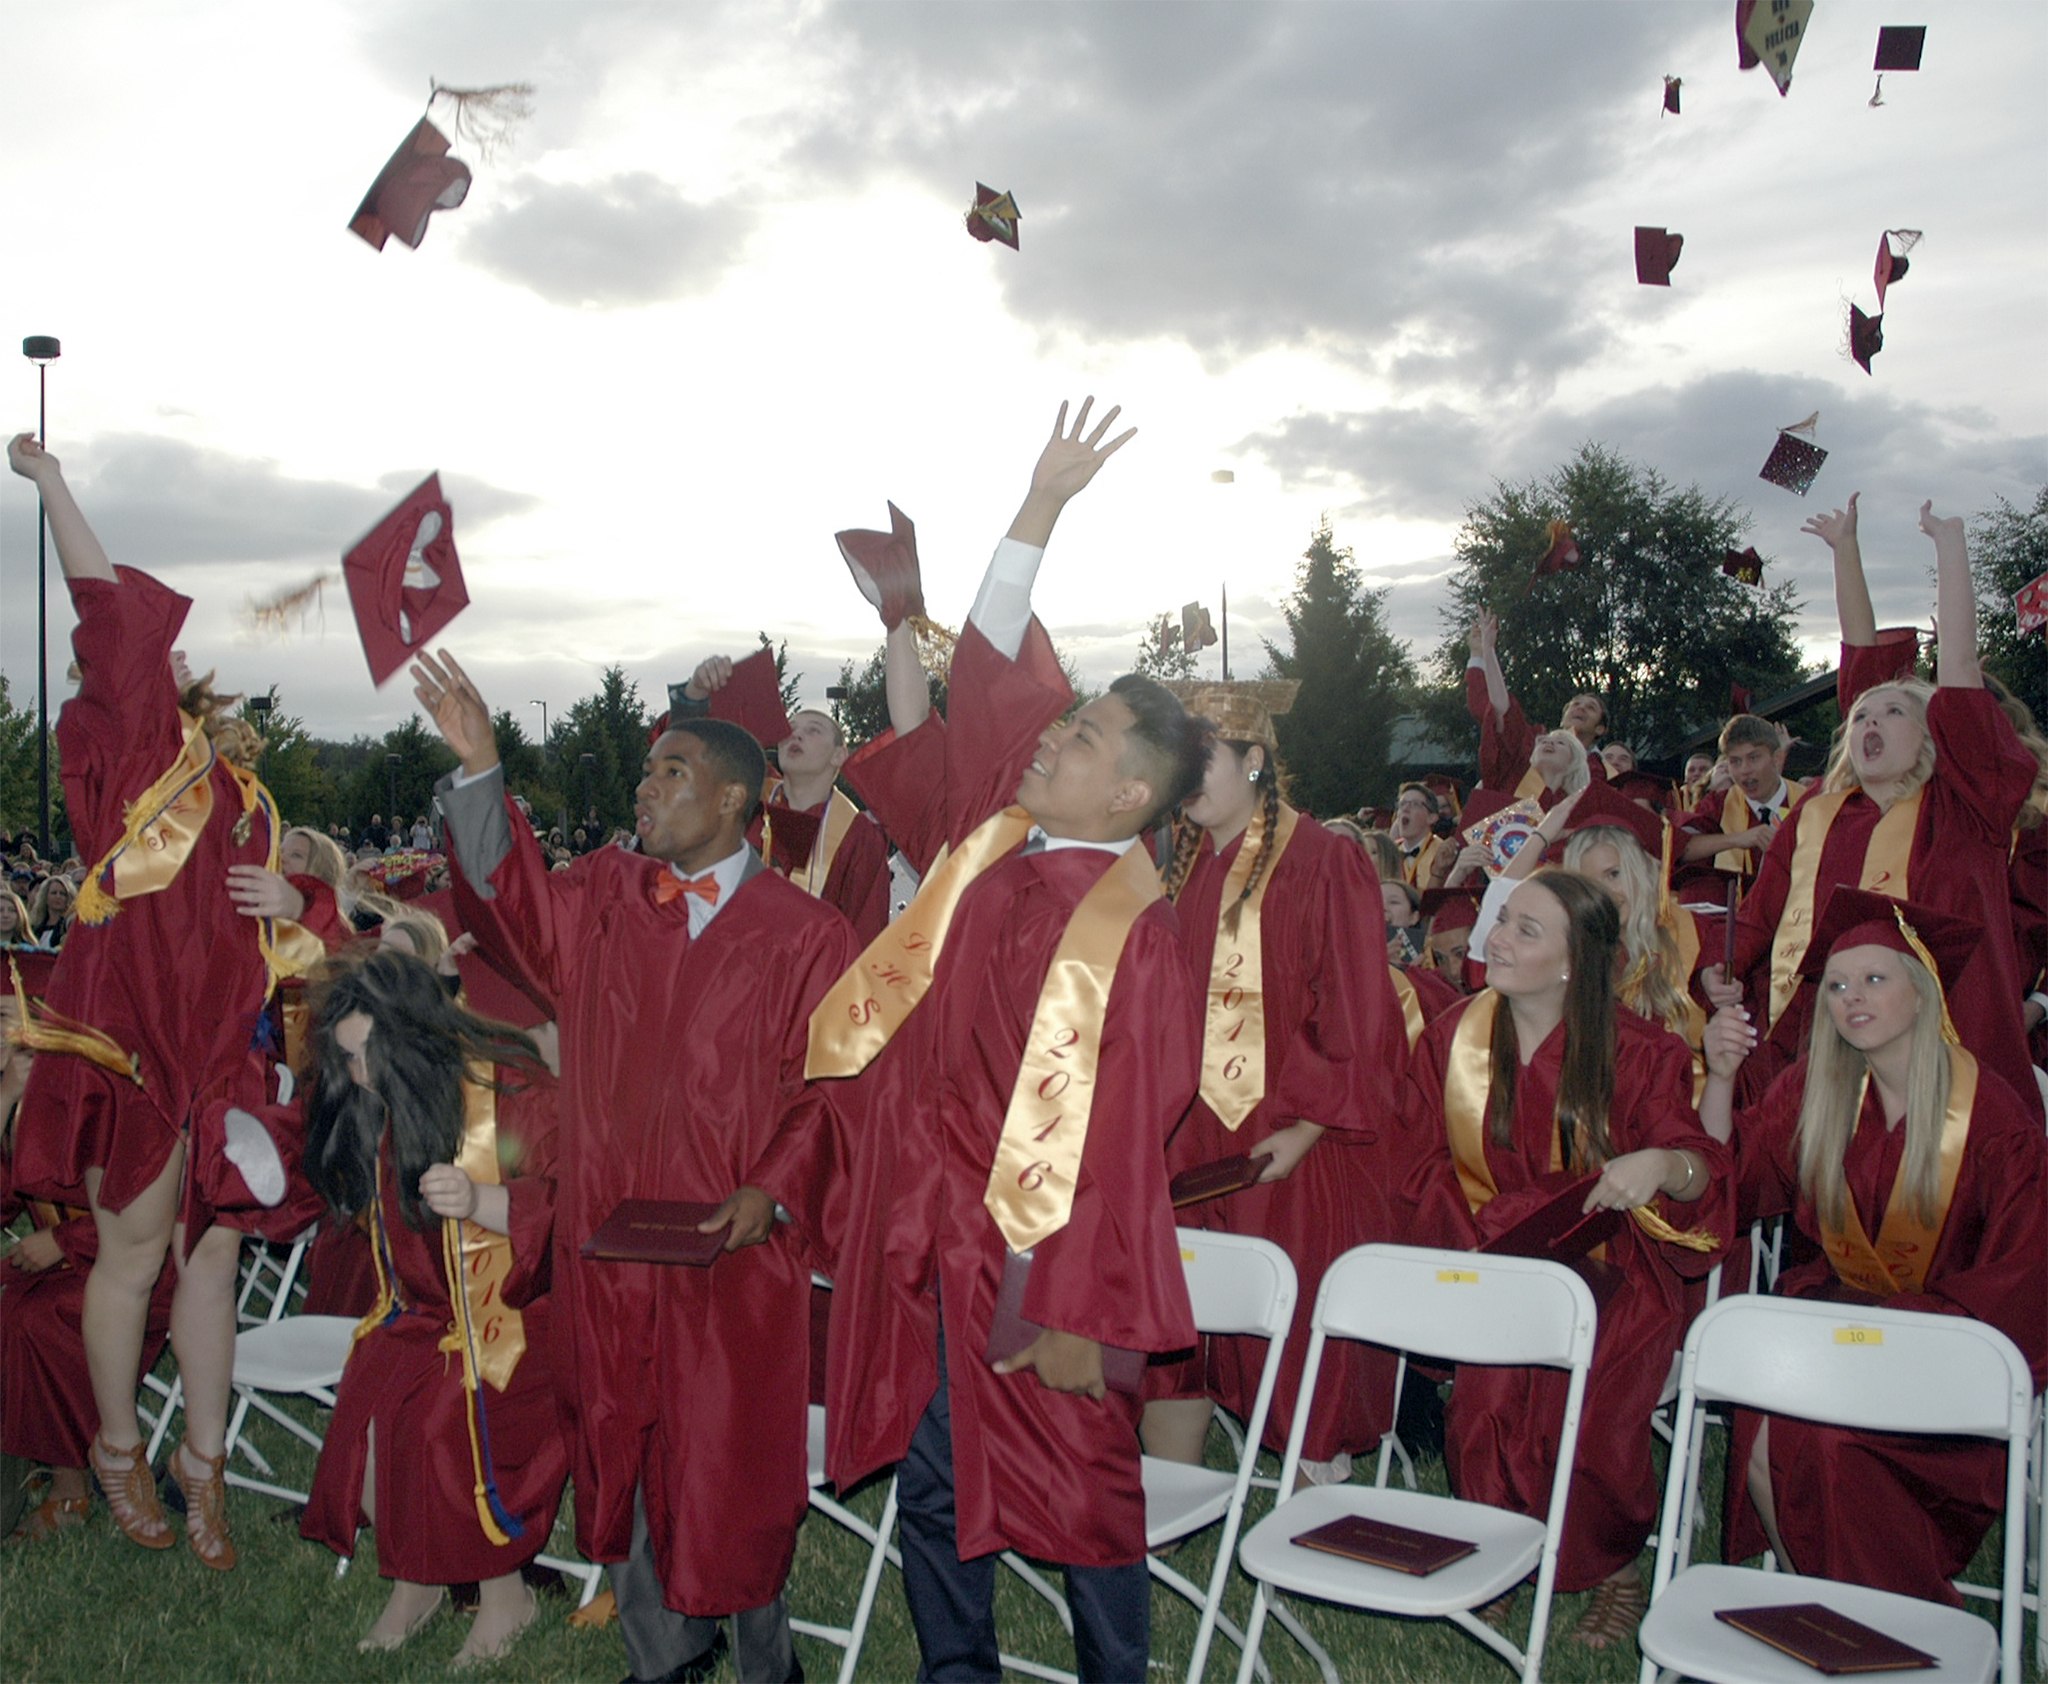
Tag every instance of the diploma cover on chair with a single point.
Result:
(1380, 1543)
(1832, 1643)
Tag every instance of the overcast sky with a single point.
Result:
(715, 301)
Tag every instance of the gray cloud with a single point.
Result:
(629, 240)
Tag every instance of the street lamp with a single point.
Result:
(543, 728)
(42, 350)
(588, 763)
(260, 707)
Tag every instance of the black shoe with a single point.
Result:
(693, 1671)
(796, 1670)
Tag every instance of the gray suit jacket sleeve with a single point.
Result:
(478, 829)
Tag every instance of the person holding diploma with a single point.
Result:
(1923, 1180)
(1303, 1051)
(683, 978)
(1538, 1084)
(445, 1436)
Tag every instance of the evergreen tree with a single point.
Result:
(305, 790)
(397, 776)
(1647, 622)
(610, 728)
(2008, 549)
(1355, 680)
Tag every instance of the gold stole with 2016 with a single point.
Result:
(1030, 1191)
(483, 1330)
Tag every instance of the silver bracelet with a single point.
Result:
(1692, 1168)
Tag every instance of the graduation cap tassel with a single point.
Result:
(486, 116)
(499, 1524)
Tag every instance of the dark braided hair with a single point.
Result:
(1268, 782)
(421, 1047)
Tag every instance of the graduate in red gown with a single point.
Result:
(963, 1146)
(682, 979)
(46, 1407)
(448, 1387)
(1535, 1083)
(1918, 803)
(847, 863)
(154, 1016)
(1512, 755)
(1302, 1061)
(1852, 1142)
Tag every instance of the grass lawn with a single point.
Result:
(89, 1606)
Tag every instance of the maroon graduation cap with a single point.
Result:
(1657, 255)
(1892, 246)
(405, 579)
(2030, 604)
(1866, 337)
(752, 699)
(1603, 804)
(1744, 566)
(1671, 86)
(993, 216)
(1561, 554)
(884, 566)
(1740, 700)
(1793, 462)
(1899, 46)
(419, 179)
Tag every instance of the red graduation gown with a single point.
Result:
(1507, 740)
(1501, 1430)
(895, 1183)
(47, 1412)
(1958, 865)
(400, 1381)
(679, 1060)
(1335, 1051)
(1897, 1512)
(857, 882)
(176, 976)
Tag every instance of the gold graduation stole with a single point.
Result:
(1234, 1037)
(1411, 1004)
(1038, 1159)
(862, 1011)
(1531, 786)
(1737, 815)
(1905, 1245)
(1885, 859)
(488, 1334)
(1415, 867)
(1468, 1082)
(840, 813)
(42, 1030)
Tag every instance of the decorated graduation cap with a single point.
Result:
(1744, 566)
(421, 177)
(1892, 246)
(752, 699)
(1866, 337)
(1242, 711)
(1197, 630)
(1657, 252)
(1794, 461)
(405, 579)
(1941, 941)
(993, 216)
(1671, 86)
(1769, 33)
(2030, 604)
(1450, 909)
(1899, 46)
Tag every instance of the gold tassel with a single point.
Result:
(935, 646)
(95, 905)
(42, 1030)
(486, 116)
(451, 1270)
(1693, 1239)
(1919, 947)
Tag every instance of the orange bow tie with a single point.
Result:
(670, 886)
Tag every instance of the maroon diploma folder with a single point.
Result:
(1558, 1231)
(1381, 1543)
(1009, 1332)
(1212, 1181)
(1813, 1633)
(656, 1231)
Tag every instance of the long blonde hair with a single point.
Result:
(1649, 948)
(1835, 1073)
(1841, 772)
(1577, 773)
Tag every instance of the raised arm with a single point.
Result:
(1955, 602)
(1070, 459)
(1484, 639)
(903, 680)
(1852, 592)
(78, 551)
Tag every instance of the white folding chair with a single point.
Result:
(1890, 1371)
(1457, 1306)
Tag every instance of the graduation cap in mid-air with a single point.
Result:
(421, 177)
(1744, 566)
(993, 216)
(1892, 246)
(2030, 604)
(1769, 33)
(1657, 255)
(1561, 554)
(405, 579)
(1866, 337)
(1794, 461)
(1899, 46)
(1671, 86)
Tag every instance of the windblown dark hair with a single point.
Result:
(1172, 744)
(731, 750)
(422, 1048)
(1585, 1087)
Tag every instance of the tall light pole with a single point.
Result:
(42, 350)
(543, 729)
